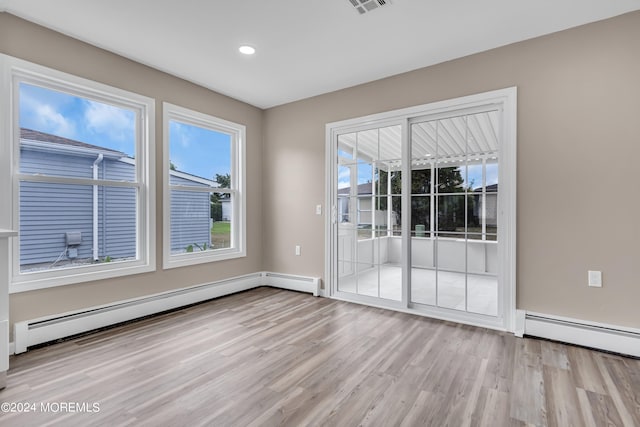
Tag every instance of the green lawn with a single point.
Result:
(221, 234)
(221, 227)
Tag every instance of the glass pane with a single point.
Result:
(474, 213)
(396, 215)
(346, 147)
(420, 215)
(492, 175)
(343, 209)
(381, 215)
(390, 277)
(423, 285)
(347, 276)
(423, 141)
(368, 146)
(221, 220)
(451, 289)
(70, 136)
(421, 181)
(365, 177)
(452, 137)
(473, 182)
(482, 294)
(344, 181)
(381, 179)
(367, 279)
(491, 212)
(396, 182)
(390, 144)
(450, 179)
(423, 275)
(451, 274)
(191, 222)
(365, 217)
(57, 225)
(198, 156)
(396, 186)
(451, 213)
(482, 129)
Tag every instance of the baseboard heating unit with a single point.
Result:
(45, 329)
(611, 338)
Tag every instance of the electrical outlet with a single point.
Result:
(318, 209)
(298, 250)
(595, 279)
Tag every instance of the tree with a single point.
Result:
(451, 208)
(224, 181)
(172, 166)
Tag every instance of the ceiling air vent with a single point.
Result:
(364, 6)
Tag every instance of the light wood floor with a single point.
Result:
(272, 357)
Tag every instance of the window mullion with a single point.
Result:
(75, 181)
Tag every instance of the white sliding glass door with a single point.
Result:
(423, 204)
(454, 199)
(369, 217)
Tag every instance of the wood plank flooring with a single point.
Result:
(270, 357)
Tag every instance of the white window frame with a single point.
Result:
(237, 190)
(14, 71)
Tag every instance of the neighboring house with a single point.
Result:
(363, 206)
(492, 205)
(190, 212)
(226, 208)
(49, 211)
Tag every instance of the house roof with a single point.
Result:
(34, 135)
(366, 188)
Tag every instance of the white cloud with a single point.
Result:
(45, 118)
(113, 121)
(344, 177)
(181, 133)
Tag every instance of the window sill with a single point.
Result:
(44, 280)
(194, 258)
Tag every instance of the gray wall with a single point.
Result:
(578, 112)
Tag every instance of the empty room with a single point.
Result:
(336, 213)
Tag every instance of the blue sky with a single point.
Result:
(77, 118)
(193, 150)
(198, 151)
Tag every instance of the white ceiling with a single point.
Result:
(304, 47)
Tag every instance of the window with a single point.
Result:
(204, 203)
(81, 179)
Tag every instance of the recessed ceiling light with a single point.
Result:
(247, 50)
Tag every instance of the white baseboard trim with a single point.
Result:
(292, 282)
(45, 329)
(617, 339)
